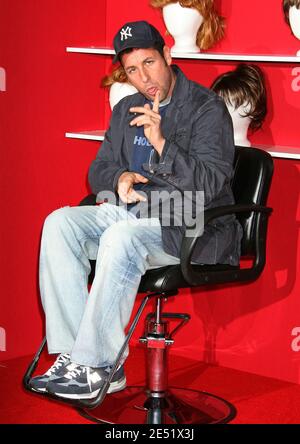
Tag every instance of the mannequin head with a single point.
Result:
(241, 123)
(119, 86)
(291, 9)
(183, 25)
(207, 24)
(244, 93)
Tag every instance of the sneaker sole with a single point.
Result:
(114, 387)
(41, 390)
(117, 386)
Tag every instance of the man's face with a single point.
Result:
(148, 71)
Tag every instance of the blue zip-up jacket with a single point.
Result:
(197, 156)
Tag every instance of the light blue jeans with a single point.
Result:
(90, 325)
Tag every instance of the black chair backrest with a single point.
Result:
(253, 170)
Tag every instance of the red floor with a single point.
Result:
(258, 400)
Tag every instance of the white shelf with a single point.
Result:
(282, 152)
(201, 56)
(92, 50)
(87, 135)
(238, 57)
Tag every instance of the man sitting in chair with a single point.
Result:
(173, 136)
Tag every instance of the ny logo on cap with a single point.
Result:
(125, 33)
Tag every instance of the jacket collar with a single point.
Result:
(179, 98)
(181, 88)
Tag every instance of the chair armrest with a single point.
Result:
(189, 242)
(213, 213)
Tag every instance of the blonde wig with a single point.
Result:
(286, 5)
(118, 75)
(212, 28)
(244, 86)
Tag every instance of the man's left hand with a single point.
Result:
(151, 120)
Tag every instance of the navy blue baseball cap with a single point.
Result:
(139, 34)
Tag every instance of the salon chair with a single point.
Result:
(156, 403)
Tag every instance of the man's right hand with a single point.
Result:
(125, 187)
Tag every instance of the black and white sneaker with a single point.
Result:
(61, 366)
(85, 382)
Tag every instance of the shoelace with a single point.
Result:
(62, 359)
(76, 371)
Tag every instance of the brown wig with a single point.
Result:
(287, 4)
(212, 28)
(244, 85)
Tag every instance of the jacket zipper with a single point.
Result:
(149, 162)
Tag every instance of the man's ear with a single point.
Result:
(167, 55)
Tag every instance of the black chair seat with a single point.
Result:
(170, 278)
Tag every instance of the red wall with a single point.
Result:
(50, 92)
